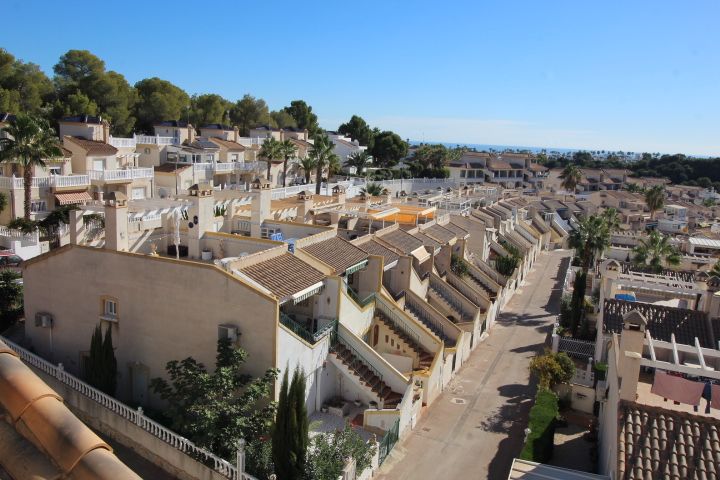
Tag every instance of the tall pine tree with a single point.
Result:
(94, 374)
(102, 371)
(109, 364)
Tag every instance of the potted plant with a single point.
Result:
(207, 254)
(324, 408)
(374, 404)
(357, 401)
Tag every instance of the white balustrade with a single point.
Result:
(250, 141)
(224, 167)
(156, 140)
(122, 142)
(15, 183)
(110, 175)
(168, 436)
(202, 167)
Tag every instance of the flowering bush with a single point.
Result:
(328, 450)
(258, 458)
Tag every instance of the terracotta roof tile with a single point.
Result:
(226, 143)
(337, 252)
(403, 241)
(538, 167)
(501, 166)
(662, 321)
(427, 240)
(374, 248)
(651, 439)
(284, 275)
(439, 233)
(457, 230)
(93, 146)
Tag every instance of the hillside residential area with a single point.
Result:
(378, 311)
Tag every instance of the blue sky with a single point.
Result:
(613, 75)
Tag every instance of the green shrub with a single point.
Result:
(543, 420)
(566, 310)
(458, 266)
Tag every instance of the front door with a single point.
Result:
(139, 386)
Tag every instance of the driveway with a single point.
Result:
(475, 427)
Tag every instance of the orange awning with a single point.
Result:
(73, 197)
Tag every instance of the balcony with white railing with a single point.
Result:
(15, 183)
(112, 175)
(224, 167)
(122, 142)
(250, 141)
(156, 140)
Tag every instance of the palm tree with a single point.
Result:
(287, 150)
(570, 177)
(655, 250)
(322, 153)
(372, 189)
(308, 164)
(271, 151)
(612, 219)
(358, 160)
(334, 166)
(590, 238)
(29, 142)
(633, 188)
(655, 199)
(715, 271)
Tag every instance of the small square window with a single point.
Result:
(110, 307)
(147, 151)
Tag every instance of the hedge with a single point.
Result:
(543, 420)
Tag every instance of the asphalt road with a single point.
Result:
(474, 429)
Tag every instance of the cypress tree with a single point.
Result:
(109, 364)
(300, 421)
(280, 438)
(93, 375)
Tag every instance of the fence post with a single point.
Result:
(60, 369)
(138, 416)
(241, 458)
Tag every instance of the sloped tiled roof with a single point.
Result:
(337, 252)
(427, 240)
(93, 146)
(266, 128)
(216, 126)
(439, 233)
(284, 275)
(81, 119)
(662, 321)
(538, 167)
(7, 117)
(457, 230)
(226, 143)
(172, 123)
(293, 129)
(656, 443)
(301, 143)
(374, 248)
(403, 241)
(501, 166)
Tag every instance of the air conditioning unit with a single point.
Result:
(228, 331)
(43, 320)
(601, 391)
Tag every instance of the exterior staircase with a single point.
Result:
(490, 294)
(365, 372)
(425, 357)
(450, 300)
(415, 310)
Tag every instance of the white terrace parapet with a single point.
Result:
(182, 444)
(110, 175)
(652, 279)
(122, 142)
(250, 141)
(30, 237)
(156, 140)
(14, 183)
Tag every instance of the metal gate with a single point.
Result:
(577, 348)
(389, 441)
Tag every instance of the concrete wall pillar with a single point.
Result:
(77, 227)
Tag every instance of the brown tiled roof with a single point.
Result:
(374, 248)
(227, 143)
(537, 167)
(427, 240)
(301, 143)
(616, 171)
(502, 166)
(170, 168)
(66, 153)
(457, 230)
(439, 233)
(337, 252)
(284, 275)
(93, 146)
(345, 142)
(656, 443)
(403, 241)
(662, 321)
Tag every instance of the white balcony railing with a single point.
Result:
(156, 140)
(14, 183)
(130, 174)
(230, 166)
(122, 142)
(250, 141)
(224, 167)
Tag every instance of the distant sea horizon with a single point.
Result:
(481, 146)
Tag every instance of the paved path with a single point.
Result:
(475, 427)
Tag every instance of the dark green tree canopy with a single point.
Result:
(358, 130)
(250, 112)
(158, 101)
(24, 88)
(208, 109)
(389, 148)
(304, 116)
